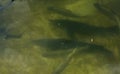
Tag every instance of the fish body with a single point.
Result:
(73, 27)
(61, 44)
(56, 44)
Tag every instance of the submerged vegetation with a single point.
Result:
(59, 37)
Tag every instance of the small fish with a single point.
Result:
(63, 11)
(74, 27)
(7, 5)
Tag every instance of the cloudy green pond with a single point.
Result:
(59, 37)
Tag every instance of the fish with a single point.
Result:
(62, 47)
(72, 27)
(59, 44)
(7, 5)
(63, 11)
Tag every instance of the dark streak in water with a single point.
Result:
(55, 45)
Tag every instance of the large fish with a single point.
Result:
(55, 46)
(75, 27)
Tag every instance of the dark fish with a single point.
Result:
(74, 27)
(59, 44)
(7, 5)
(63, 11)
(55, 46)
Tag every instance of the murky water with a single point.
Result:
(59, 37)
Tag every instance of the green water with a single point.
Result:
(24, 22)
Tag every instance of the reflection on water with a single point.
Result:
(59, 37)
